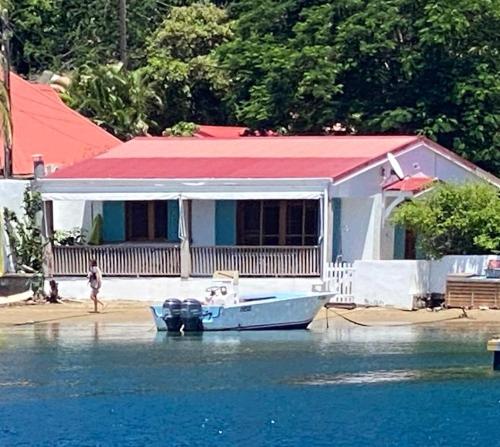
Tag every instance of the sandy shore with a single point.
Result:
(138, 312)
(77, 312)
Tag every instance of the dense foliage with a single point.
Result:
(185, 71)
(392, 66)
(116, 99)
(24, 235)
(454, 219)
(367, 66)
(66, 34)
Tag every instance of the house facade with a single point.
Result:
(265, 206)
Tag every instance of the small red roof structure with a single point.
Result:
(415, 183)
(278, 157)
(204, 131)
(43, 124)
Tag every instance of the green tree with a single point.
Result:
(282, 65)
(181, 129)
(115, 99)
(427, 67)
(66, 34)
(454, 219)
(376, 66)
(185, 73)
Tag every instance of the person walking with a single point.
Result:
(95, 281)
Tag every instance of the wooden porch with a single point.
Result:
(256, 261)
(165, 260)
(118, 260)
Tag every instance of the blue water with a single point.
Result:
(117, 385)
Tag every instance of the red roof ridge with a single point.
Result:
(276, 137)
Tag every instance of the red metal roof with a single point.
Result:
(411, 184)
(219, 131)
(277, 157)
(43, 124)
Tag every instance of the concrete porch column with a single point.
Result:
(326, 220)
(184, 236)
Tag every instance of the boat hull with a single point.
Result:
(272, 313)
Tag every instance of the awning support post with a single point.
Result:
(325, 239)
(184, 237)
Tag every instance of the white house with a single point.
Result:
(270, 207)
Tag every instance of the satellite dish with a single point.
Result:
(396, 167)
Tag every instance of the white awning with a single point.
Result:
(128, 196)
(200, 189)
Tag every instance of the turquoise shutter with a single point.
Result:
(225, 222)
(337, 228)
(173, 220)
(113, 221)
(399, 242)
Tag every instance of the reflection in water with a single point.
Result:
(96, 332)
(396, 376)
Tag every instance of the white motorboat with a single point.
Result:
(222, 310)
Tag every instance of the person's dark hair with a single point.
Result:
(93, 263)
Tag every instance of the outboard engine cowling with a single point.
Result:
(191, 315)
(172, 314)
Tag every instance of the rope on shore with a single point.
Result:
(357, 323)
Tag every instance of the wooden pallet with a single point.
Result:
(472, 292)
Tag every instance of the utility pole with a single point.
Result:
(5, 65)
(122, 17)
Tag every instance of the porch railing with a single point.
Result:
(118, 260)
(256, 261)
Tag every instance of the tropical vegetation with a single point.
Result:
(454, 219)
(25, 237)
(373, 66)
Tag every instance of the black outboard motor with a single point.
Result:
(172, 314)
(191, 315)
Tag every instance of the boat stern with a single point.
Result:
(160, 324)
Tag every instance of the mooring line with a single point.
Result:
(458, 317)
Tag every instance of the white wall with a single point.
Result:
(389, 283)
(395, 283)
(11, 197)
(75, 214)
(360, 226)
(433, 164)
(203, 222)
(364, 235)
(447, 265)
(157, 289)
(11, 194)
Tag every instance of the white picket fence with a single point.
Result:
(339, 281)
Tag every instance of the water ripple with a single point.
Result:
(398, 375)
